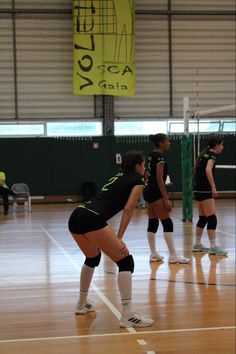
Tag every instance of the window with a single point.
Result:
(122, 128)
(204, 127)
(176, 127)
(21, 129)
(140, 127)
(229, 126)
(74, 129)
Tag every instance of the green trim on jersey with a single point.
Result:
(92, 211)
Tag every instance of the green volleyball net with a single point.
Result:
(187, 168)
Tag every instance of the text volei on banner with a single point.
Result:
(104, 52)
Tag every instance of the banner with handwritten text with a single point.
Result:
(104, 52)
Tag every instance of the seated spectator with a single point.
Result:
(5, 192)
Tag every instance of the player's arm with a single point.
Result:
(209, 174)
(129, 208)
(161, 184)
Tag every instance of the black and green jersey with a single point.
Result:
(114, 195)
(201, 183)
(154, 159)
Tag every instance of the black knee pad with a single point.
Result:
(167, 225)
(126, 264)
(211, 222)
(153, 225)
(93, 262)
(202, 221)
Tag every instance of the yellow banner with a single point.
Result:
(104, 59)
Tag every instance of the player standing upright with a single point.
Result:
(205, 194)
(159, 205)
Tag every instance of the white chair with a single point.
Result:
(22, 193)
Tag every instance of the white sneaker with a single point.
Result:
(218, 251)
(155, 257)
(89, 307)
(135, 320)
(178, 259)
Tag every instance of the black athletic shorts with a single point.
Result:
(151, 194)
(202, 196)
(83, 220)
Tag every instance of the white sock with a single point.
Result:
(198, 240)
(198, 235)
(213, 242)
(170, 243)
(125, 287)
(86, 276)
(152, 241)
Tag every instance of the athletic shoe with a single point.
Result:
(155, 257)
(200, 248)
(89, 307)
(178, 259)
(135, 320)
(217, 251)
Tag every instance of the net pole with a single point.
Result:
(194, 149)
(198, 118)
(186, 164)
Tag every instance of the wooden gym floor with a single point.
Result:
(193, 305)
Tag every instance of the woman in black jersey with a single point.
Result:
(88, 226)
(159, 205)
(205, 192)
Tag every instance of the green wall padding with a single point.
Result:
(59, 166)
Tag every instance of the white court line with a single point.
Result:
(118, 334)
(52, 224)
(225, 233)
(63, 230)
(150, 352)
(106, 301)
(141, 342)
(222, 232)
(18, 231)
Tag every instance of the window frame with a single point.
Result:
(194, 122)
(138, 121)
(96, 121)
(22, 135)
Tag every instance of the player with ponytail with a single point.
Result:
(205, 194)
